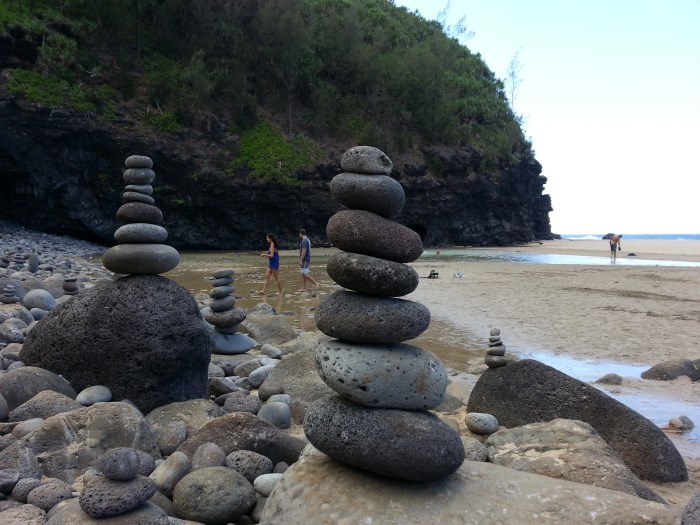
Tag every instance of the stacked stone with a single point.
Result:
(140, 250)
(384, 387)
(495, 355)
(70, 286)
(4, 262)
(9, 295)
(225, 316)
(120, 489)
(18, 260)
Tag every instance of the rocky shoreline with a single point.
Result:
(84, 457)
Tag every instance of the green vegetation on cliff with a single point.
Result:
(352, 71)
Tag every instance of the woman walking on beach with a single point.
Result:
(273, 256)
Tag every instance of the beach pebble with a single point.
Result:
(610, 379)
(495, 331)
(276, 413)
(495, 361)
(367, 160)
(38, 313)
(481, 423)
(208, 455)
(139, 176)
(24, 428)
(39, 298)
(265, 483)
(213, 495)
(682, 423)
(104, 497)
(139, 232)
(271, 351)
(8, 478)
(23, 487)
(120, 463)
(231, 344)
(43, 405)
(372, 275)
(140, 259)
(244, 369)
(170, 472)
(133, 196)
(47, 495)
(474, 450)
(138, 161)
(257, 376)
(94, 394)
(379, 194)
(171, 436)
(249, 464)
(280, 398)
(215, 371)
(242, 402)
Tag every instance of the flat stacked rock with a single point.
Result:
(379, 416)
(495, 355)
(226, 317)
(70, 286)
(140, 250)
(9, 295)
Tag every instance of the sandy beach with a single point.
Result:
(607, 313)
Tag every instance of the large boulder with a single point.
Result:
(673, 369)
(565, 449)
(321, 491)
(528, 391)
(270, 329)
(140, 336)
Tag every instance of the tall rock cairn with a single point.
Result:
(140, 249)
(378, 420)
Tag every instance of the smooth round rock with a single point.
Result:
(222, 304)
(366, 159)
(139, 212)
(104, 497)
(481, 423)
(146, 189)
(497, 350)
(240, 402)
(221, 291)
(366, 233)
(265, 483)
(359, 318)
(214, 495)
(226, 318)
(141, 259)
(140, 232)
(379, 194)
(208, 455)
(231, 344)
(222, 281)
(495, 361)
(94, 394)
(371, 275)
(276, 413)
(138, 161)
(495, 331)
(134, 196)
(227, 272)
(139, 176)
(404, 444)
(387, 376)
(121, 463)
(38, 313)
(39, 298)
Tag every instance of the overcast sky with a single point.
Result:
(610, 90)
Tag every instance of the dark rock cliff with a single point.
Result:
(60, 172)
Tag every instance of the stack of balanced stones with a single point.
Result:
(379, 419)
(9, 295)
(70, 286)
(140, 249)
(495, 354)
(225, 316)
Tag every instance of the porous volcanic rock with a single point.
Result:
(141, 336)
(371, 275)
(376, 193)
(528, 391)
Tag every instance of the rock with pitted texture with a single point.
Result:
(141, 259)
(366, 159)
(104, 497)
(371, 275)
(379, 194)
(21, 384)
(359, 318)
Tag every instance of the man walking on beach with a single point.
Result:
(615, 243)
(305, 256)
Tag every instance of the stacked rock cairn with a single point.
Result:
(226, 316)
(140, 249)
(70, 286)
(380, 416)
(496, 352)
(9, 295)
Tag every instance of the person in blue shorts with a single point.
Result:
(615, 245)
(305, 261)
(273, 256)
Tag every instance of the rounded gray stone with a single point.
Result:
(140, 232)
(23, 487)
(141, 259)
(139, 212)
(497, 350)
(248, 463)
(222, 304)
(94, 394)
(138, 161)
(381, 440)
(231, 344)
(359, 318)
(481, 423)
(230, 317)
(222, 281)
(135, 196)
(139, 176)
(387, 376)
(121, 463)
(208, 455)
(276, 413)
(146, 189)
(366, 159)
(371, 275)
(227, 272)
(39, 298)
(241, 402)
(257, 376)
(366, 233)
(104, 497)
(38, 313)
(221, 291)
(495, 361)
(379, 194)
(216, 495)
(49, 494)
(265, 483)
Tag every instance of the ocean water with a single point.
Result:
(635, 236)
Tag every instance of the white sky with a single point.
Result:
(611, 95)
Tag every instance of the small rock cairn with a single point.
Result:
(140, 250)
(70, 286)
(225, 316)
(385, 388)
(495, 355)
(9, 295)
